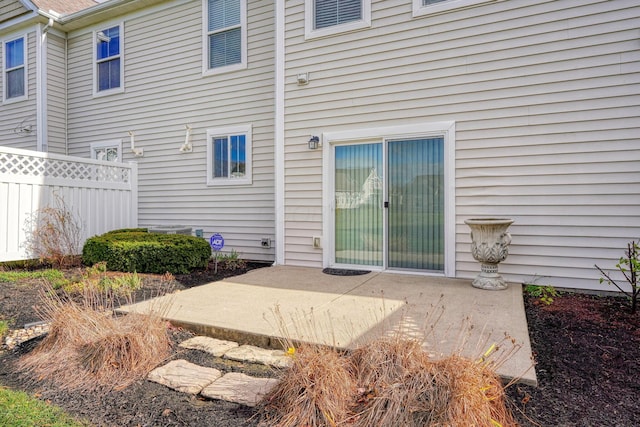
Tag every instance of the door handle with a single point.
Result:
(386, 204)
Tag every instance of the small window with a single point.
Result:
(15, 69)
(327, 17)
(109, 151)
(429, 7)
(108, 74)
(225, 35)
(229, 156)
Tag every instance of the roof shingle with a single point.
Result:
(64, 7)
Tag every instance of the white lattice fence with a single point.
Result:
(101, 195)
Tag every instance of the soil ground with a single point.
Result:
(586, 348)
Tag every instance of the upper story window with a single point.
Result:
(226, 35)
(15, 69)
(109, 151)
(229, 155)
(326, 17)
(428, 7)
(108, 70)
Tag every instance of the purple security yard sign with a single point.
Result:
(216, 241)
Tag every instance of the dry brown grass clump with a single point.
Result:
(389, 382)
(477, 395)
(397, 384)
(89, 348)
(316, 391)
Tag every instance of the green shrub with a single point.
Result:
(231, 261)
(544, 293)
(137, 250)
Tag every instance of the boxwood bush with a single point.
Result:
(135, 249)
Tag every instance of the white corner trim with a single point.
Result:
(279, 123)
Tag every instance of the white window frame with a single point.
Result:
(116, 143)
(227, 132)
(6, 70)
(309, 22)
(94, 61)
(420, 10)
(206, 71)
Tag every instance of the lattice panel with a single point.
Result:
(16, 164)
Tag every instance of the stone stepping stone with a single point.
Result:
(239, 388)
(184, 376)
(252, 354)
(210, 345)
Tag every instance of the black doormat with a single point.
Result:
(344, 272)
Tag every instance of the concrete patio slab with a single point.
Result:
(272, 305)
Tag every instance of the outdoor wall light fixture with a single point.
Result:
(187, 147)
(138, 152)
(314, 142)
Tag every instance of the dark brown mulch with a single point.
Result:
(587, 350)
(586, 347)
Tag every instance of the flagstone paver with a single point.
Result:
(184, 376)
(210, 345)
(239, 388)
(253, 354)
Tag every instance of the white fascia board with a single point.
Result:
(29, 5)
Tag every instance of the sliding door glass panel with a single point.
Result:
(416, 204)
(358, 204)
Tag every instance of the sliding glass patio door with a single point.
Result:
(389, 204)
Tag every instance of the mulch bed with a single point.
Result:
(586, 348)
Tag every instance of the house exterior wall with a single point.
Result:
(10, 9)
(16, 117)
(56, 94)
(545, 99)
(165, 90)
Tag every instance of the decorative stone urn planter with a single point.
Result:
(489, 246)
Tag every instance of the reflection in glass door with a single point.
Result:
(389, 204)
(415, 185)
(358, 204)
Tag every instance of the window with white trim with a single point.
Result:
(429, 7)
(327, 17)
(229, 155)
(14, 68)
(225, 35)
(108, 68)
(108, 150)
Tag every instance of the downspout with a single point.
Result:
(41, 86)
(66, 94)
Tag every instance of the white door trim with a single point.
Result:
(331, 139)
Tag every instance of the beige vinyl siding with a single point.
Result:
(15, 116)
(545, 96)
(56, 94)
(10, 9)
(164, 91)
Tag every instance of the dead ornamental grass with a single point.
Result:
(89, 348)
(389, 382)
(316, 391)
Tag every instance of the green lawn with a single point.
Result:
(18, 409)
